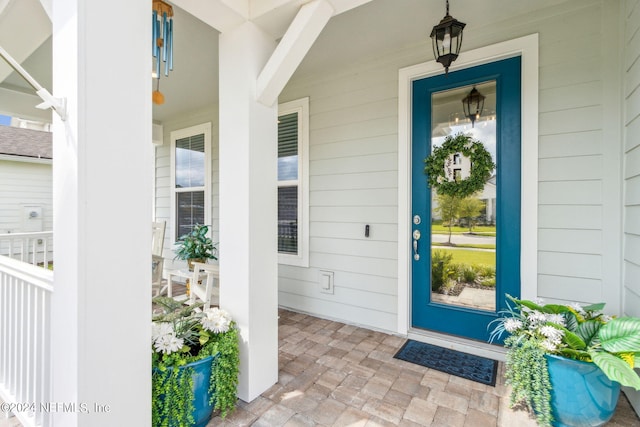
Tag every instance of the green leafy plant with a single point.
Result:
(468, 273)
(448, 207)
(196, 245)
(529, 378)
(573, 331)
(440, 261)
(470, 208)
(182, 335)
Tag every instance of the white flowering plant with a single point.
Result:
(580, 332)
(184, 334)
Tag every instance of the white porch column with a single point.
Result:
(101, 355)
(248, 207)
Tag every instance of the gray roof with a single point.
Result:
(25, 142)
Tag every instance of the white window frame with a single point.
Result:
(205, 129)
(300, 106)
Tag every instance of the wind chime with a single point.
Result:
(162, 44)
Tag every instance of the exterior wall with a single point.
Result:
(632, 160)
(163, 173)
(22, 184)
(353, 182)
(353, 168)
(631, 12)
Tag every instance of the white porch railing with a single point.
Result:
(34, 248)
(25, 299)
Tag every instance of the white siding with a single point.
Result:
(353, 182)
(632, 159)
(579, 181)
(24, 184)
(353, 167)
(631, 167)
(163, 173)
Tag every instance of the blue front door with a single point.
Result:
(466, 251)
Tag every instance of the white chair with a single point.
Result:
(157, 261)
(205, 277)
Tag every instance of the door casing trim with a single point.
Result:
(527, 48)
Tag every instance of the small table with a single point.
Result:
(171, 274)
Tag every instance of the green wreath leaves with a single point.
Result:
(482, 166)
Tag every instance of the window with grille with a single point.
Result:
(293, 217)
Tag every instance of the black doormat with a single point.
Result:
(474, 368)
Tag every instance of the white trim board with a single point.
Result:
(25, 159)
(527, 48)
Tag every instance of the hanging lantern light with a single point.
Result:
(446, 38)
(473, 104)
(162, 44)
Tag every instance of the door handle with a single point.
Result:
(416, 237)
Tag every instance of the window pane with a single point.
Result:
(288, 219)
(287, 168)
(189, 211)
(288, 147)
(190, 162)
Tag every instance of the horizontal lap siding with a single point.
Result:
(353, 181)
(24, 184)
(632, 160)
(578, 168)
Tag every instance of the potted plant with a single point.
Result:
(195, 364)
(560, 357)
(195, 246)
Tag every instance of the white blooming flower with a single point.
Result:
(548, 346)
(216, 320)
(556, 318)
(512, 325)
(553, 335)
(606, 318)
(168, 343)
(578, 308)
(538, 301)
(536, 317)
(160, 329)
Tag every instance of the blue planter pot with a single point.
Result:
(201, 374)
(581, 394)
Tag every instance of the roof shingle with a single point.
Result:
(25, 142)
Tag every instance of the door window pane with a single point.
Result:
(463, 230)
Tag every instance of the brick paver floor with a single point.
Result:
(332, 374)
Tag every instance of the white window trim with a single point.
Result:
(205, 129)
(300, 106)
(527, 48)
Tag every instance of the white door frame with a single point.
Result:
(527, 48)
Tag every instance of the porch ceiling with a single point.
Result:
(375, 28)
